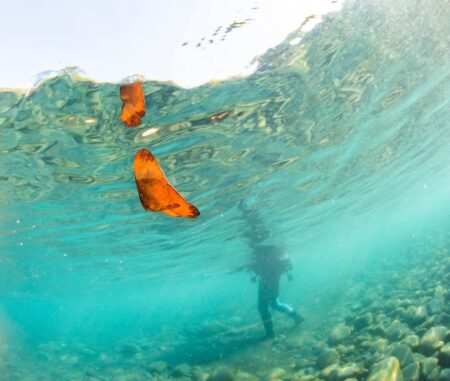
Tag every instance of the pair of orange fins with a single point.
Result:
(155, 192)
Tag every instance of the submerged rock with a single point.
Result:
(329, 372)
(223, 374)
(301, 363)
(380, 345)
(275, 374)
(412, 371)
(444, 356)
(244, 376)
(417, 315)
(436, 305)
(182, 370)
(396, 331)
(430, 368)
(339, 333)
(403, 353)
(377, 330)
(158, 367)
(386, 370)
(412, 341)
(198, 374)
(348, 371)
(129, 349)
(432, 340)
(444, 375)
(345, 349)
(363, 321)
(294, 342)
(326, 358)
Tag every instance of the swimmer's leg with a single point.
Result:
(288, 310)
(277, 305)
(263, 308)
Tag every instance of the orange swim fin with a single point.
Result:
(155, 192)
(133, 107)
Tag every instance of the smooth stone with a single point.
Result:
(411, 372)
(87, 352)
(328, 371)
(129, 349)
(275, 373)
(402, 352)
(396, 331)
(430, 322)
(417, 314)
(363, 340)
(366, 344)
(158, 366)
(345, 349)
(432, 340)
(440, 291)
(305, 377)
(301, 363)
(444, 356)
(380, 345)
(436, 305)
(444, 375)
(339, 333)
(348, 371)
(223, 374)
(377, 330)
(418, 357)
(363, 321)
(182, 370)
(386, 370)
(326, 358)
(412, 341)
(244, 376)
(429, 365)
(444, 319)
(294, 343)
(198, 374)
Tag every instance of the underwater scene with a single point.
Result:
(318, 188)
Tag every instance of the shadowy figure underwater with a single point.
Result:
(269, 263)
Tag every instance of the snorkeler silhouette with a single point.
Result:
(268, 264)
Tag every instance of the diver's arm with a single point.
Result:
(248, 267)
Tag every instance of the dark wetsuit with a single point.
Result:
(269, 264)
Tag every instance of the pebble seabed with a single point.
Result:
(392, 325)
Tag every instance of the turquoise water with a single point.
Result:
(340, 149)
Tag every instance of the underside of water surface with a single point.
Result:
(336, 149)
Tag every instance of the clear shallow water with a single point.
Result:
(339, 145)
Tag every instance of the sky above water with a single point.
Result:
(112, 40)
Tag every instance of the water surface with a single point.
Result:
(339, 146)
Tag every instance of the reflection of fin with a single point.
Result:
(155, 192)
(219, 116)
(133, 108)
